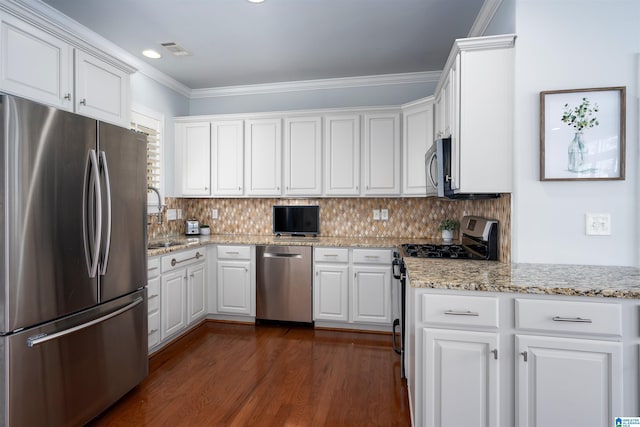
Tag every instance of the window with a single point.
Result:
(151, 124)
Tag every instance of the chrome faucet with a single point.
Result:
(159, 202)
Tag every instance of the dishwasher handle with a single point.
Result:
(279, 255)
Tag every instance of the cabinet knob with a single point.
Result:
(206, 188)
(67, 97)
(525, 355)
(83, 101)
(239, 188)
(192, 275)
(495, 353)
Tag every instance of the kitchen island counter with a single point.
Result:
(552, 279)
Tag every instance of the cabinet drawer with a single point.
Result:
(372, 256)
(154, 329)
(331, 255)
(153, 295)
(153, 268)
(569, 316)
(460, 310)
(182, 258)
(234, 252)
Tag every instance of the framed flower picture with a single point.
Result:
(582, 134)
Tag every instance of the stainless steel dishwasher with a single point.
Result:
(283, 283)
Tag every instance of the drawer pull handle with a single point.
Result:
(153, 331)
(232, 253)
(571, 319)
(330, 254)
(495, 353)
(175, 262)
(153, 296)
(372, 256)
(152, 268)
(462, 313)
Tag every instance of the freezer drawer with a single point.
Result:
(66, 372)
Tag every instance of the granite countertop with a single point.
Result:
(489, 276)
(240, 239)
(556, 279)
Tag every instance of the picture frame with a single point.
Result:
(582, 134)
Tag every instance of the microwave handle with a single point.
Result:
(429, 175)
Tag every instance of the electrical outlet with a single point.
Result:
(384, 214)
(598, 224)
(179, 213)
(376, 214)
(172, 215)
(214, 213)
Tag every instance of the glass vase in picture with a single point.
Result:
(576, 153)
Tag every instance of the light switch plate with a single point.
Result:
(384, 214)
(172, 215)
(214, 213)
(598, 224)
(179, 213)
(376, 214)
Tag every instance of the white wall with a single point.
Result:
(310, 99)
(156, 97)
(565, 44)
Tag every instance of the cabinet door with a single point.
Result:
(331, 292)
(35, 64)
(173, 315)
(303, 156)
(102, 90)
(227, 142)
(193, 158)
(460, 378)
(371, 294)
(382, 154)
(417, 138)
(263, 159)
(234, 287)
(196, 291)
(342, 155)
(568, 382)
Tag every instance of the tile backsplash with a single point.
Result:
(345, 217)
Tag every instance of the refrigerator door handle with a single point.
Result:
(42, 338)
(92, 179)
(107, 184)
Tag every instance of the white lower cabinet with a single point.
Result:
(176, 294)
(174, 303)
(331, 292)
(460, 374)
(568, 382)
(232, 288)
(153, 302)
(352, 287)
(499, 359)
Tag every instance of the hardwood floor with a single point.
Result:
(268, 375)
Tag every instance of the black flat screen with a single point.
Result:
(296, 220)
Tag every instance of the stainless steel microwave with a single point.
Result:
(438, 170)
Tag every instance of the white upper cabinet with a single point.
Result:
(227, 145)
(263, 157)
(417, 137)
(193, 167)
(37, 65)
(34, 64)
(303, 156)
(476, 109)
(342, 155)
(102, 90)
(382, 154)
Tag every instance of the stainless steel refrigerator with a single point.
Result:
(73, 316)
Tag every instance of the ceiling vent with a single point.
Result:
(175, 49)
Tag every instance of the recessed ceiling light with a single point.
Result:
(150, 53)
(256, 1)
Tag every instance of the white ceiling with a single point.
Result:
(234, 42)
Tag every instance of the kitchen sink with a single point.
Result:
(160, 245)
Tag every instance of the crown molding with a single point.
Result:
(321, 84)
(486, 14)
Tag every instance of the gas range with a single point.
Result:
(479, 242)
